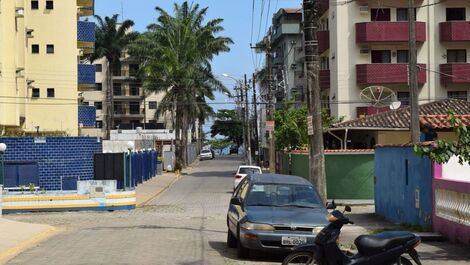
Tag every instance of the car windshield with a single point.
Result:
(206, 151)
(248, 170)
(283, 195)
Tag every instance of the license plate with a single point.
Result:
(293, 240)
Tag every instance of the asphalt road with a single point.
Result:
(186, 225)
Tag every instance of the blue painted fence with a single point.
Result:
(403, 186)
(140, 167)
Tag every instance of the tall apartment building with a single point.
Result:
(286, 40)
(133, 106)
(365, 43)
(41, 43)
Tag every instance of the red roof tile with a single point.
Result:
(434, 113)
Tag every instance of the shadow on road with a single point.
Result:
(255, 256)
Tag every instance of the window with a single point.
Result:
(50, 48)
(324, 63)
(98, 105)
(118, 108)
(99, 87)
(456, 56)
(380, 14)
(117, 88)
(455, 14)
(152, 121)
(134, 107)
(457, 95)
(152, 105)
(402, 14)
(133, 69)
(99, 124)
(381, 56)
(135, 91)
(35, 4)
(50, 92)
(36, 93)
(404, 98)
(35, 48)
(86, 103)
(402, 56)
(99, 68)
(49, 4)
(135, 123)
(279, 195)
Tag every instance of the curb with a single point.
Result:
(12, 252)
(158, 193)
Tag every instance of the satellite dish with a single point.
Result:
(378, 96)
(395, 105)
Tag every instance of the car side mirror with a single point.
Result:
(236, 201)
(347, 208)
(331, 205)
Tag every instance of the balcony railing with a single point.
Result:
(455, 73)
(86, 76)
(386, 31)
(454, 31)
(86, 3)
(323, 41)
(86, 8)
(86, 36)
(375, 74)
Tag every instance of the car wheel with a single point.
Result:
(242, 252)
(231, 240)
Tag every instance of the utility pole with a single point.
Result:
(413, 72)
(247, 119)
(317, 159)
(270, 114)
(242, 114)
(255, 109)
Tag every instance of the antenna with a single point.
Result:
(378, 96)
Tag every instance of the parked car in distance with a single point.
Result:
(243, 171)
(275, 213)
(234, 149)
(206, 154)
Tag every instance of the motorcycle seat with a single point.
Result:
(369, 245)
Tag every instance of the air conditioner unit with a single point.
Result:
(364, 51)
(364, 9)
(29, 33)
(19, 12)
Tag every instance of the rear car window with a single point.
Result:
(247, 170)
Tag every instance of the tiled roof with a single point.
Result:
(434, 113)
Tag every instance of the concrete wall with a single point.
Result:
(403, 186)
(56, 157)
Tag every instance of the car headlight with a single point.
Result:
(256, 227)
(317, 230)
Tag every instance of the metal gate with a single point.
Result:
(21, 174)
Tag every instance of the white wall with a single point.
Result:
(452, 170)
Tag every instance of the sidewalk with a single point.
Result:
(16, 237)
(150, 189)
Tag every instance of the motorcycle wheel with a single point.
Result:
(305, 258)
(404, 261)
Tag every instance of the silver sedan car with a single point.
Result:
(271, 212)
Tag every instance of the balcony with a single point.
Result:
(454, 31)
(86, 8)
(324, 76)
(86, 36)
(323, 38)
(323, 6)
(86, 77)
(126, 112)
(376, 74)
(455, 73)
(125, 74)
(385, 31)
(86, 116)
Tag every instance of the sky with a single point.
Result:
(237, 15)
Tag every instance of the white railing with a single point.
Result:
(453, 206)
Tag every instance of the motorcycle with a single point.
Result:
(386, 248)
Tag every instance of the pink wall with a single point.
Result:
(453, 231)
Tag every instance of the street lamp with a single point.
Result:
(3, 148)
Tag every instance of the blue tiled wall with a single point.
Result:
(86, 74)
(57, 157)
(87, 115)
(86, 31)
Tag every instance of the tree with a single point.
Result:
(291, 128)
(220, 143)
(112, 39)
(441, 151)
(228, 124)
(176, 55)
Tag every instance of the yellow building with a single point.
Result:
(41, 45)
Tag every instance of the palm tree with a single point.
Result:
(112, 39)
(176, 57)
